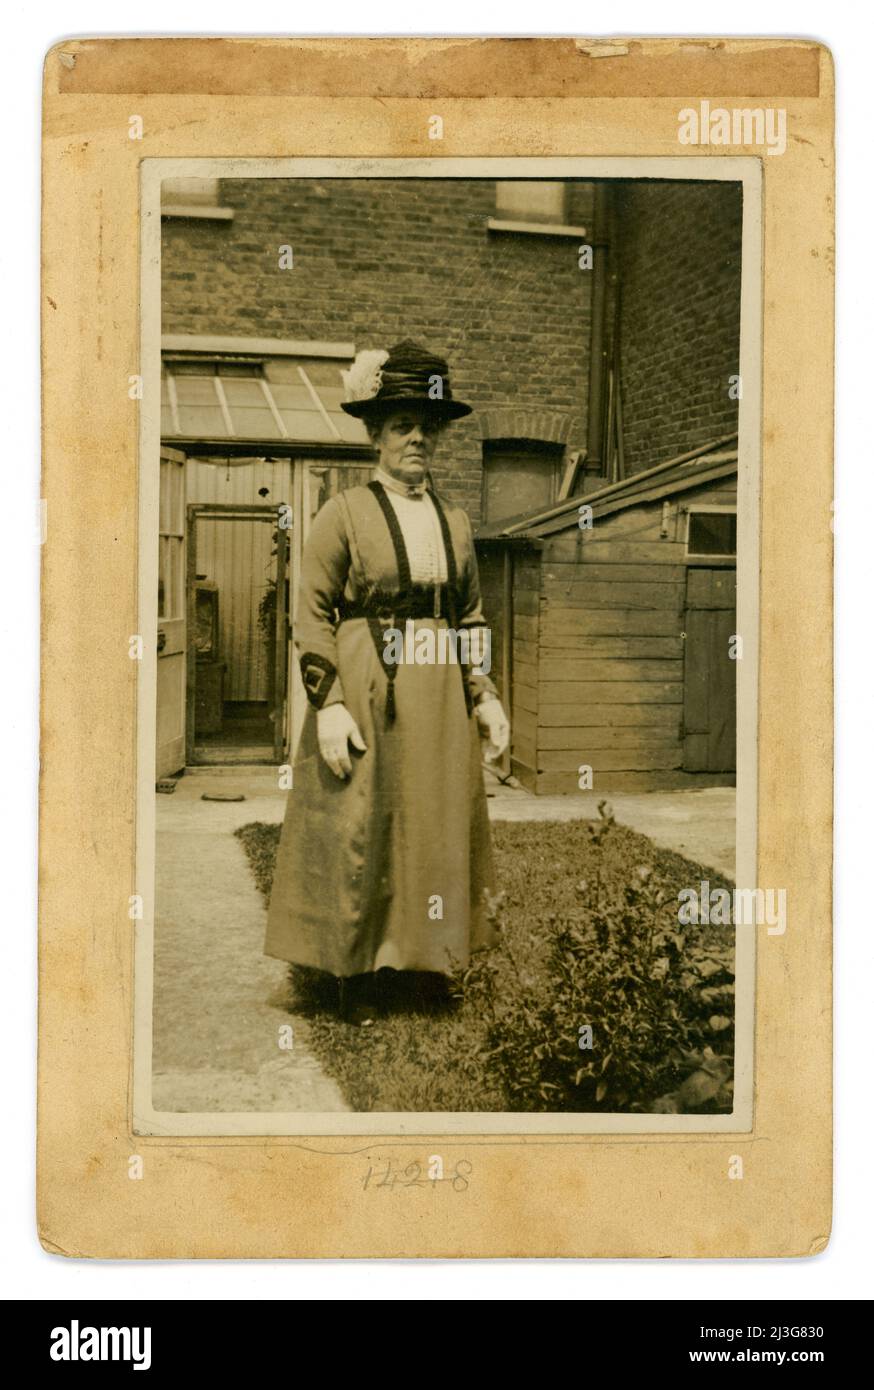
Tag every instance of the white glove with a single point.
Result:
(494, 726)
(336, 729)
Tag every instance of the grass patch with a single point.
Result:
(594, 999)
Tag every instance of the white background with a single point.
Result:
(842, 1271)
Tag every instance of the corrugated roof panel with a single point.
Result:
(306, 391)
(352, 431)
(196, 390)
(206, 422)
(324, 372)
(307, 426)
(291, 396)
(243, 391)
(255, 423)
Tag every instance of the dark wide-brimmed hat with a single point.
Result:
(380, 381)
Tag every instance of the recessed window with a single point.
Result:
(712, 534)
(538, 206)
(519, 476)
(193, 198)
(534, 200)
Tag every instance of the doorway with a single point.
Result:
(237, 610)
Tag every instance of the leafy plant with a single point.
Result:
(610, 1009)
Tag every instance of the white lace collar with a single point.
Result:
(395, 484)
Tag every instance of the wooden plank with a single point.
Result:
(696, 700)
(611, 622)
(619, 596)
(525, 751)
(666, 756)
(526, 570)
(564, 573)
(526, 775)
(525, 627)
(525, 673)
(526, 652)
(581, 715)
(642, 522)
(607, 736)
(584, 669)
(695, 752)
(565, 549)
(712, 588)
(526, 603)
(565, 783)
(595, 646)
(716, 498)
(524, 697)
(525, 725)
(626, 693)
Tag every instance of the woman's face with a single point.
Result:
(406, 440)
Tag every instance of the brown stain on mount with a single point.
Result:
(442, 68)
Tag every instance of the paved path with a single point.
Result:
(220, 1003)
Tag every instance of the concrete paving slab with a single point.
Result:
(219, 1002)
(699, 824)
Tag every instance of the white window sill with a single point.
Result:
(499, 224)
(197, 210)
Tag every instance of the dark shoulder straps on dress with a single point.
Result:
(397, 537)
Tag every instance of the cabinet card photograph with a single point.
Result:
(436, 679)
(451, 518)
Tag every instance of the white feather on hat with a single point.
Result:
(364, 378)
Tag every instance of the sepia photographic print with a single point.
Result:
(449, 551)
(435, 777)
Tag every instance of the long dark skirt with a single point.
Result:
(389, 868)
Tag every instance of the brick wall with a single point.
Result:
(679, 258)
(379, 260)
(376, 261)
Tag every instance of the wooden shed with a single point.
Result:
(612, 615)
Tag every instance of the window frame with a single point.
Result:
(549, 452)
(205, 204)
(511, 220)
(719, 559)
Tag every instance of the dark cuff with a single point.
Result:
(318, 675)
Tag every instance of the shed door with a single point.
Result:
(709, 697)
(170, 733)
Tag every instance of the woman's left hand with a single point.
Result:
(494, 726)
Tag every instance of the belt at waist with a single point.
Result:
(421, 601)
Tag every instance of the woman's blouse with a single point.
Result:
(349, 551)
(420, 526)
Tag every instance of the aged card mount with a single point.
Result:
(117, 1178)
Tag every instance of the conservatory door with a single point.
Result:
(170, 731)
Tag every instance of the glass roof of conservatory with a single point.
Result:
(240, 398)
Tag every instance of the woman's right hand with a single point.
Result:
(336, 730)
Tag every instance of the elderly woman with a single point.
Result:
(385, 857)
